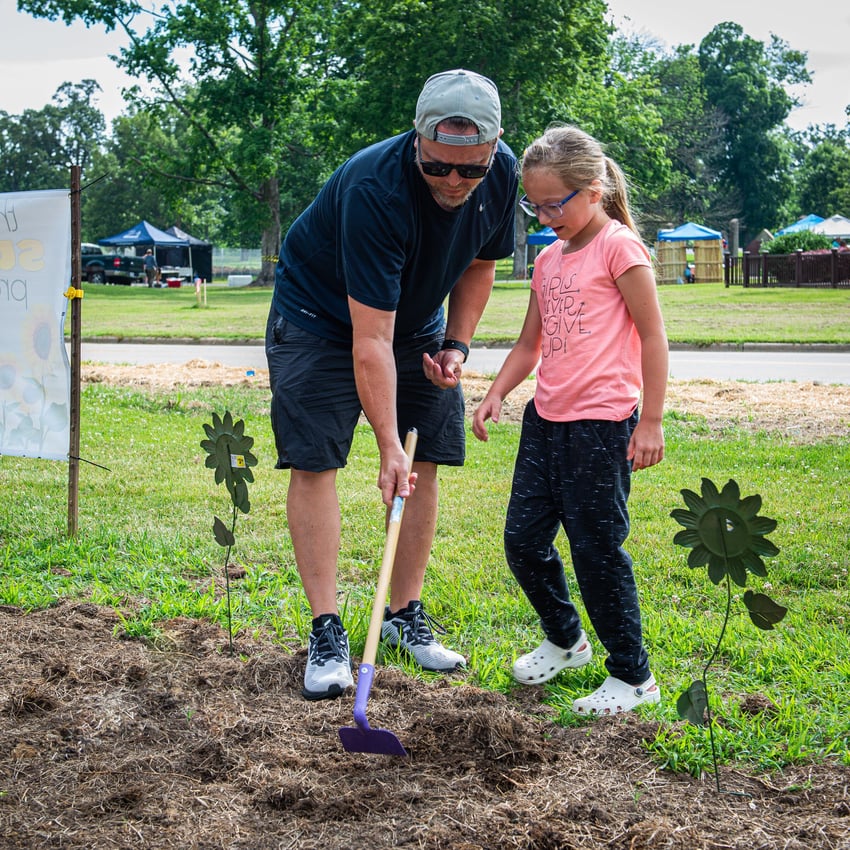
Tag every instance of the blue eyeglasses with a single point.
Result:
(549, 210)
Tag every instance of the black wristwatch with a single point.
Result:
(456, 345)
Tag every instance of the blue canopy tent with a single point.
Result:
(688, 232)
(173, 253)
(805, 223)
(672, 254)
(144, 235)
(542, 237)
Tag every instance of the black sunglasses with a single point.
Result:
(443, 169)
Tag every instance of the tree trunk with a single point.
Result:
(270, 241)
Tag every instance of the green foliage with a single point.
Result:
(803, 240)
(822, 183)
(745, 80)
(253, 106)
(39, 147)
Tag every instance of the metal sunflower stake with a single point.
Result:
(725, 533)
(228, 451)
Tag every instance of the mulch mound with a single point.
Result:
(115, 743)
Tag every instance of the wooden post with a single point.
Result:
(76, 325)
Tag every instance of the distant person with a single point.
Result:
(357, 324)
(689, 273)
(595, 326)
(150, 267)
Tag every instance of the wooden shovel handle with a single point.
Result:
(393, 529)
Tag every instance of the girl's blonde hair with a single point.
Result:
(578, 159)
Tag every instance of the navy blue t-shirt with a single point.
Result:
(375, 233)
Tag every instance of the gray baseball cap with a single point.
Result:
(459, 94)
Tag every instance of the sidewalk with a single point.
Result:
(774, 363)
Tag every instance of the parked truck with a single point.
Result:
(100, 267)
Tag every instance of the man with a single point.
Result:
(357, 323)
(150, 267)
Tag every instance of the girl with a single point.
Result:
(595, 328)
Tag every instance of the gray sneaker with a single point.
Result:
(328, 672)
(411, 628)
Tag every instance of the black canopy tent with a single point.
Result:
(201, 253)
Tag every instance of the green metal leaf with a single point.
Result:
(731, 494)
(693, 703)
(762, 546)
(750, 506)
(694, 502)
(762, 525)
(686, 518)
(710, 494)
(737, 571)
(223, 535)
(716, 568)
(687, 537)
(698, 556)
(764, 612)
(753, 563)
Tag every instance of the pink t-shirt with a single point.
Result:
(590, 366)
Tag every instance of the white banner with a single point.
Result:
(35, 273)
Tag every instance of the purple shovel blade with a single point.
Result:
(362, 738)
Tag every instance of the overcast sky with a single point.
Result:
(37, 55)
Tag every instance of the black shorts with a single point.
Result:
(315, 407)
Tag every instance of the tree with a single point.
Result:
(822, 179)
(744, 80)
(39, 147)
(693, 129)
(256, 68)
(118, 190)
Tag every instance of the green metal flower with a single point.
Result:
(725, 532)
(229, 454)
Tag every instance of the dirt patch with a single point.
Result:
(110, 743)
(799, 411)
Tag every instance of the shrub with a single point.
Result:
(805, 240)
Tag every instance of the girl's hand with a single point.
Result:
(646, 447)
(490, 408)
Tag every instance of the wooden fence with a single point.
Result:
(824, 269)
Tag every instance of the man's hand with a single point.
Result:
(395, 477)
(444, 368)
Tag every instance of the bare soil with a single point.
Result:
(113, 743)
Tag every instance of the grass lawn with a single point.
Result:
(698, 314)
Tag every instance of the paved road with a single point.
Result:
(778, 364)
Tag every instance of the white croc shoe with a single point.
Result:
(545, 662)
(614, 696)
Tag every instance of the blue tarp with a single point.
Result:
(805, 223)
(542, 237)
(144, 233)
(688, 232)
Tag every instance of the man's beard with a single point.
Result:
(449, 203)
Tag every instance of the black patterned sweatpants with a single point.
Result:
(575, 475)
